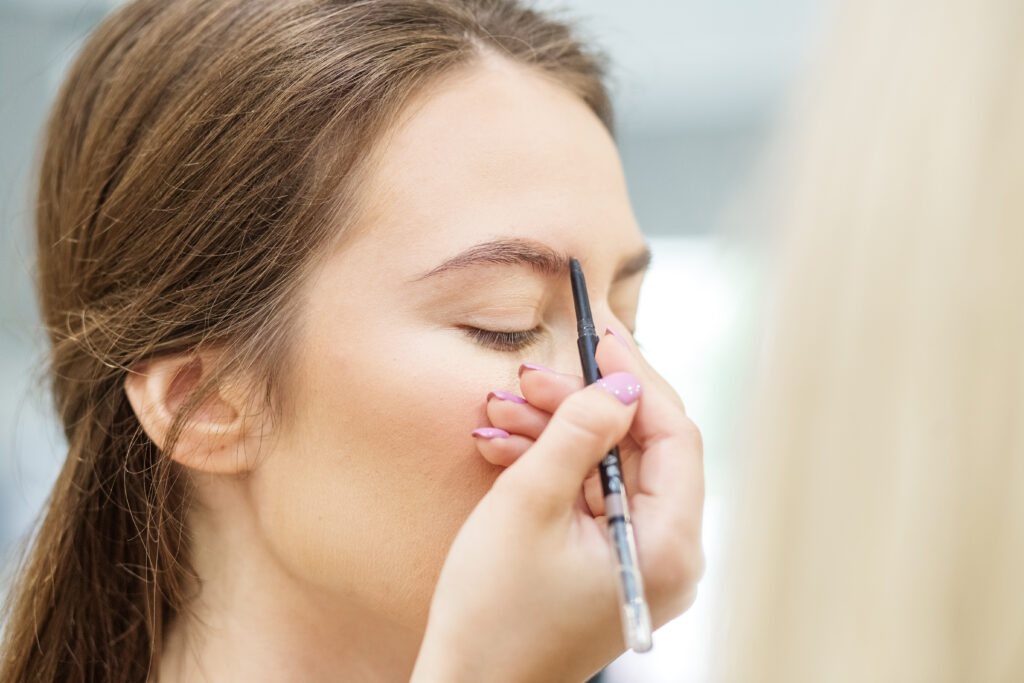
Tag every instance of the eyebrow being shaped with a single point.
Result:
(540, 256)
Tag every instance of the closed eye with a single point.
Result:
(503, 341)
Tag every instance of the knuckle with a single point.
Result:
(691, 434)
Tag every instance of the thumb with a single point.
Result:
(586, 425)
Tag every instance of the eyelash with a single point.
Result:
(503, 341)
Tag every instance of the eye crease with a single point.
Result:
(503, 341)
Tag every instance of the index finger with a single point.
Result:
(671, 449)
(661, 413)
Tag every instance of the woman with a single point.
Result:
(293, 257)
(882, 536)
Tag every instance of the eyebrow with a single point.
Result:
(541, 257)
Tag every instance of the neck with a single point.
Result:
(252, 620)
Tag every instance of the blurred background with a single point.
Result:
(698, 85)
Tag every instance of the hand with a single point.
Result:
(527, 592)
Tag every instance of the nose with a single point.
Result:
(565, 356)
(605, 318)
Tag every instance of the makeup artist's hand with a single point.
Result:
(528, 591)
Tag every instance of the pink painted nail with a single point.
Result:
(532, 366)
(621, 385)
(505, 396)
(490, 433)
(618, 336)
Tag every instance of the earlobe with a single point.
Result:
(214, 437)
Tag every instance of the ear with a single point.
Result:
(216, 437)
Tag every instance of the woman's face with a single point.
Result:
(492, 178)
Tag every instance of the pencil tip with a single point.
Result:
(580, 300)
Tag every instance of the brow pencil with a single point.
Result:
(636, 618)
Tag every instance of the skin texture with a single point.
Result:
(320, 539)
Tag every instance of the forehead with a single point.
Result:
(497, 150)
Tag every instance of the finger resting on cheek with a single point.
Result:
(502, 451)
(585, 426)
(517, 418)
(547, 390)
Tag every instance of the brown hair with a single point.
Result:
(199, 156)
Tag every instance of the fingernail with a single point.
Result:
(490, 433)
(532, 366)
(618, 336)
(505, 396)
(621, 385)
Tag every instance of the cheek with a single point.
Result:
(368, 486)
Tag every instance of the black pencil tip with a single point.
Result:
(580, 300)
